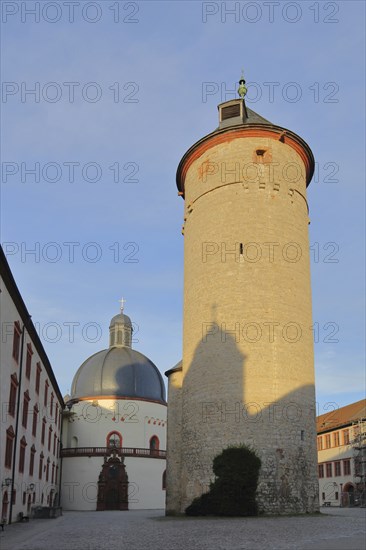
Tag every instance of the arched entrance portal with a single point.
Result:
(113, 485)
(349, 494)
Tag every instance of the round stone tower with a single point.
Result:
(247, 375)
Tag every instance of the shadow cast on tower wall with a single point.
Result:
(220, 407)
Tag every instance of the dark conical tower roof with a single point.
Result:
(236, 118)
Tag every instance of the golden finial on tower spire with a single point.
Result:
(242, 90)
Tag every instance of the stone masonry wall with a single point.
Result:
(248, 373)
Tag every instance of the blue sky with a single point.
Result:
(145, 88)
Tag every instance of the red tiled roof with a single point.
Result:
(341, 417)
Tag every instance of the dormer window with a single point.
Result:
(232, 112)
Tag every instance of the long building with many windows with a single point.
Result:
(342, 455)
(31, 410)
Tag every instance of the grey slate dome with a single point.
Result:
(119, 371)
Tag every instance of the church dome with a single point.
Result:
(119, 371)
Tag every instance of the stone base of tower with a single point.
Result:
(276, 494)
(288, 482)
(287, 486)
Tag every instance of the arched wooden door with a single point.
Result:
(4, 508)
(113, 485)
(350, 489)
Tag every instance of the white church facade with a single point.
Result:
(114, 430)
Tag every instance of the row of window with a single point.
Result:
(336, 495)
(330, 469)
(28, 367)
(35, 424)
(333, 440)
(31, 497)
(26, 399)
(10, 435)
(114, 440)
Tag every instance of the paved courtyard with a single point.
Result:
(335, 529)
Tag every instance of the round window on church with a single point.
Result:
(114, 440)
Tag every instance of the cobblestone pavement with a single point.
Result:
(337, 529)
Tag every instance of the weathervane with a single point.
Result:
(122, 302)
(242, 90)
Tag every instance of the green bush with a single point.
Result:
(233, 491)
